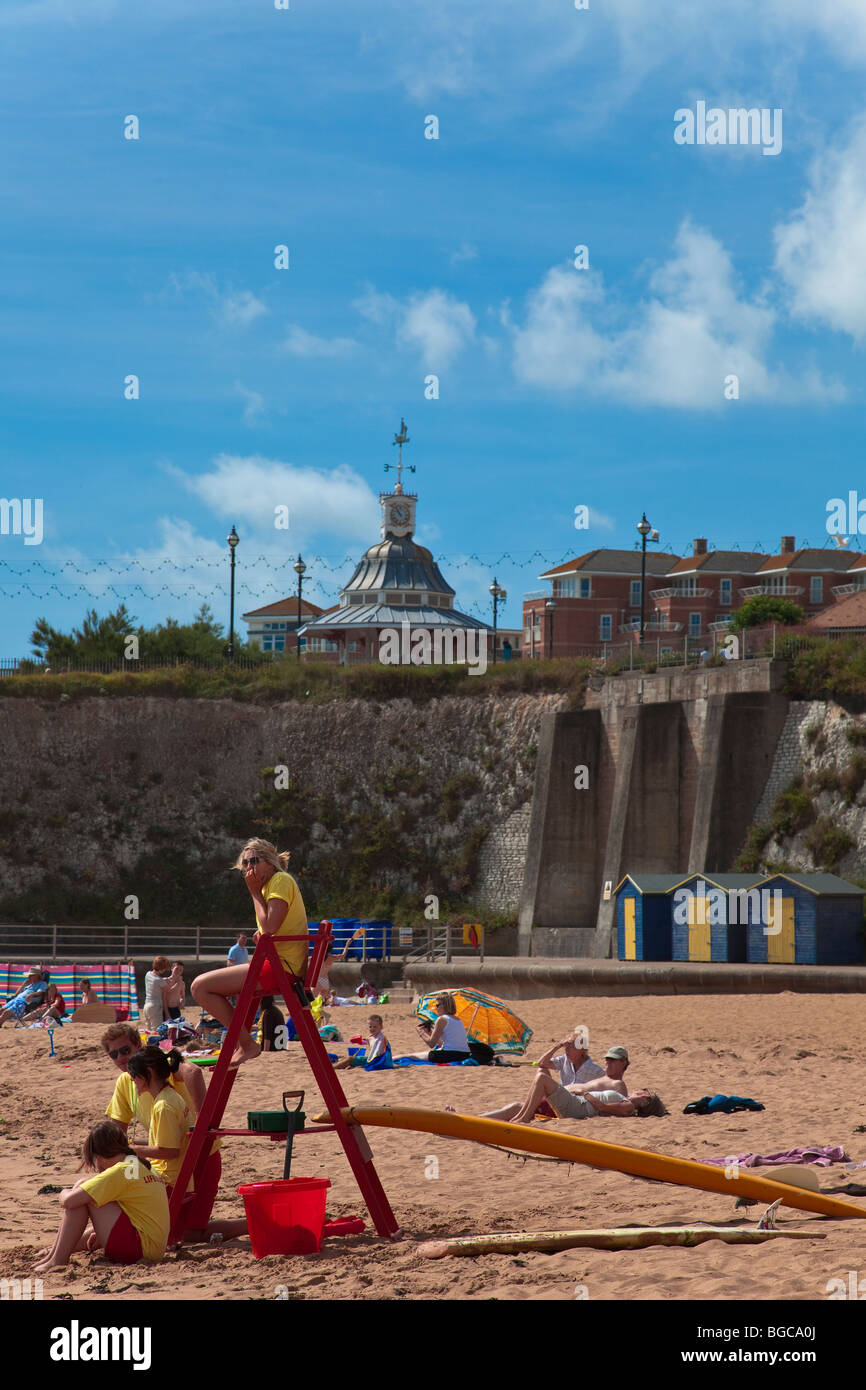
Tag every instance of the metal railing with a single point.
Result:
(117, 942)
(437, 941)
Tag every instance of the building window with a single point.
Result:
(353, 646)
(725, 593)
(816, 589)
(279, 644)
(605, 626)
(267, 644)
(413, 599)
(585, 586)
(565, 588)
(393, 598)
(635, 593)
(694, 624)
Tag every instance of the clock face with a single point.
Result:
(400, 513)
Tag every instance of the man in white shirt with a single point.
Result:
(611, 1079)
(572, 1060)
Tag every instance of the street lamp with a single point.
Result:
(300, 570)
(232, 539)
(646, 533)
(499, 596)
(551, 609)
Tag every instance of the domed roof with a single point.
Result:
(398, 563)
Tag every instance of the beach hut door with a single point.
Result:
(630, 932)
(699, 929)
(780, 943)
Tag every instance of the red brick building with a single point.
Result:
(596, 598)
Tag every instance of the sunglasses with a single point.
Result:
(248, 863)
(119, 1052)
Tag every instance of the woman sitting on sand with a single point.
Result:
(281, 914)
(126, 1204)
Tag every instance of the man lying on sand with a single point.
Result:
(581, 1103)
(611, 1079)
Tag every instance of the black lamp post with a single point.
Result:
(499, 596)
(233, 538)
(300, 570)
(646, 533)
(551, 609)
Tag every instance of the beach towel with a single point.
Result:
(721, 1105)
(383, 1063)
(423, 1062)
(824, 1155)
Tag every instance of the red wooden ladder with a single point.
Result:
(207, 1125)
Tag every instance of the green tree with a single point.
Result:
(104, 639)
(98, 639)
(767, 608)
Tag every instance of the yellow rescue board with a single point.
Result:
(641, 1163)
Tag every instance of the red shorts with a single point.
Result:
(197, 1210)
(123, 1246)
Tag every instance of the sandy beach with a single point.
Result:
(798, 1054)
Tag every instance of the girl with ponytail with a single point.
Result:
(170, 1117)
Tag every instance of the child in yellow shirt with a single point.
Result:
(170, 1116)
(126, 1203)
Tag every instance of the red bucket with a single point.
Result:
(285, 1217)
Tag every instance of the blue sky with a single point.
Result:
(411, 257)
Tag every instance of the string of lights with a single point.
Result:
(326, 562)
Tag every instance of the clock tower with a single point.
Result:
(398, 514)
(398, 507)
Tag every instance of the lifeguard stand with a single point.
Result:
(207, 1125)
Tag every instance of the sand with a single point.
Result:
(798, 1054)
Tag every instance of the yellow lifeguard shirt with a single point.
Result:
(294, 953)
(142, 1195)
(126, 1104)
(169, 1129)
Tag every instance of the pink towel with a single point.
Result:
(825, 1155)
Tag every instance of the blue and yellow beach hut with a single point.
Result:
(813, 919)
(643, 916)
(711, 915)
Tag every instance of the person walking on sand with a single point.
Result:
(281, 914)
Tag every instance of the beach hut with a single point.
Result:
(643, 916)
(819, 919)
(711, 916)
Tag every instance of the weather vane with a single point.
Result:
(400, 439)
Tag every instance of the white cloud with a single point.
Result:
(241, 309)
(231, 308)
(248, 488)
(821, 251)
(676, 348)
(438, 325)
(465, 252)
(600, 522)
(254, 403)
(435, 323)
(300, 343)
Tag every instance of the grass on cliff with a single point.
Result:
(312, 682)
